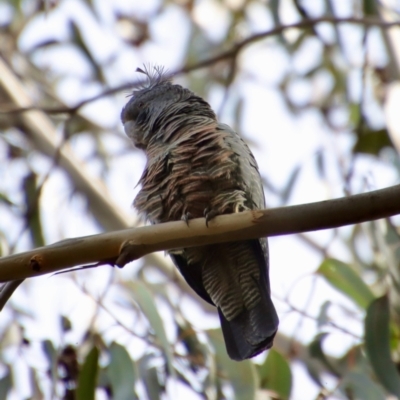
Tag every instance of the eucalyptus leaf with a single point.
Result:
(37, 393)
(323, 318)
(51, 355)
(391, 248)
(316, 351)
(66, 324)
(87, 380)
(121, 373)
(241, 375)
(275, 374)
(288, 189)
(145, 299)
(358, 386)
(372, 142)
(149, 377)
(5, 384)
(377, 345)
(32, 214)
(344, 278)
(369, 7)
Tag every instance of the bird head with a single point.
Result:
(156, 105)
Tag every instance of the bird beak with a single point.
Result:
(129, 127)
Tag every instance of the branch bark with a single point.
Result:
(120, 247)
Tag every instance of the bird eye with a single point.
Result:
(140, 104)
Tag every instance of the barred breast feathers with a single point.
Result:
(188, 174)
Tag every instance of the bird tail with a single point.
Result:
(240, 345)
(253, 330)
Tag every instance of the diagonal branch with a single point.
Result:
(120, 247)
(225, 55)
(305, 23)
(43, 134)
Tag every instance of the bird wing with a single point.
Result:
(248, 174)
(234, 276)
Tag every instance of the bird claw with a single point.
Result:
(186, 217)
(209, 215)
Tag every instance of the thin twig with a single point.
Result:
(99, 303)
(7, 290)
(281, 28)
(226, 55)
(330, 323)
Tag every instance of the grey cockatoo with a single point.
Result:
(199, 167)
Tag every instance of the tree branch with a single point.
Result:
(226, 55)
(43, 134)
(120, 247)
(305, 23)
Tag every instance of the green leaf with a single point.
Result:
(369, 7)
(275, 374)
(320, 164)
(49, 350)
(33, 219)
(121, 373)
(372, 142)
(4, 199)
(391, 249)
(355, 359)
(323, 317)
(392, 239)
(37, 393)
(148, 373)
(358, 386)
(377, 345)
(145, 298)
(316, 351)
(354, 114)
(51, 355)
(288, 189)
(87, 380)
(241, 375)
(66, 324)
(344, 278)
(6, 384)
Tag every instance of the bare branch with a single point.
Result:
(226, 55)
(43, 134)
(306, 23)
(120, 247)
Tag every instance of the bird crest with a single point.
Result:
(154, 75)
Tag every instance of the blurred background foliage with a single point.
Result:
(67, 170)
